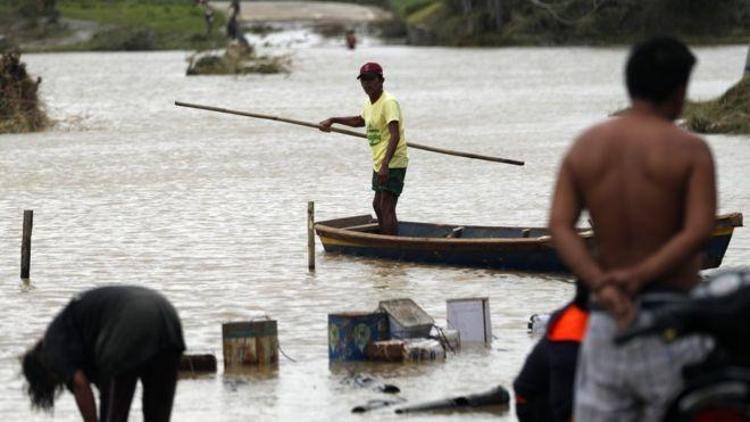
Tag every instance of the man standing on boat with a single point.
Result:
(385, 132)
(650, 190)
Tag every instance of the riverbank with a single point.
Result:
(730, 113)
(116, 25)
(573, 22)
(20, 108)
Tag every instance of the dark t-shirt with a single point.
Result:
(110, 330)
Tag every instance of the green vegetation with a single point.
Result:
(20, 109)
(115, 24)
(729, 113)
(236, 60)
(144, 24)
(564, 22)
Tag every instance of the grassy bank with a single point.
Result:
(236, 60)
(20, 108)
(572, 22)
(145, 24)
(729, 113)
(117, 25)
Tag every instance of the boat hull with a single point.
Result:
(503, 248)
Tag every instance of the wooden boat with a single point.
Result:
(505, 248)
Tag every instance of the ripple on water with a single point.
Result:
(211, 209)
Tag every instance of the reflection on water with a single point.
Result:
(211, 209)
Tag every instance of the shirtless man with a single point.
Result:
(650, 190)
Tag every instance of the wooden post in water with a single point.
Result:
(28, 222)
(311, 235)
(747, 61)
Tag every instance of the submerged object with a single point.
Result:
(538, 323)
(198, 363)
(498, 396)
(349, 333)
(368, 381)
(377, 404)
(471, 318)
(505, 248)
(413, 350)
(250, 343)
(406, 319)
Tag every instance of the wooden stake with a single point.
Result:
(28, 221)
(311, 235)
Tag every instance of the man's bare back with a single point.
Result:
(649, 187)
(642, 178)
(650, 190)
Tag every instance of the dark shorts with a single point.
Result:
(394, 184)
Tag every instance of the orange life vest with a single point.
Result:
(569, 326)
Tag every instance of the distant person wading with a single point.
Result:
(234, 32)
(385, 132)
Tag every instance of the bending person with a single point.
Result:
(111, 337)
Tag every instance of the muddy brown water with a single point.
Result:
(210, 209)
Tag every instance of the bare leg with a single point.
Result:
(121, 390)
(376, 206)
(388, 222)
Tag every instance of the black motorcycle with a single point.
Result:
(717, 389)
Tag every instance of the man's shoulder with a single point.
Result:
(594, 135)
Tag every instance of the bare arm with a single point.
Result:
(566, 208)
(84, 396)
(700, 215)
(353, 121)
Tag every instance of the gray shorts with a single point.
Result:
(632, 382)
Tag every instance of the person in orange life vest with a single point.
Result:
(544, 388)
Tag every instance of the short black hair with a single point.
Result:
(657, 68)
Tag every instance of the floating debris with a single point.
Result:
(498, 397)
(237, 59)
(406, 319)
(408, 350)
(538, 323)
(198, 364)
(377, 404)
(20, 109)
(370, 382)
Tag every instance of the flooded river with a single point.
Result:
(210, 209)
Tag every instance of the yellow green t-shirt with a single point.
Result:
(377, 115)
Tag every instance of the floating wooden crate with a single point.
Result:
(250, 343)
(349, 334)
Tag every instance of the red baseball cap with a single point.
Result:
(370, 67)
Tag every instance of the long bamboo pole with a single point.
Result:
(350, 133)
